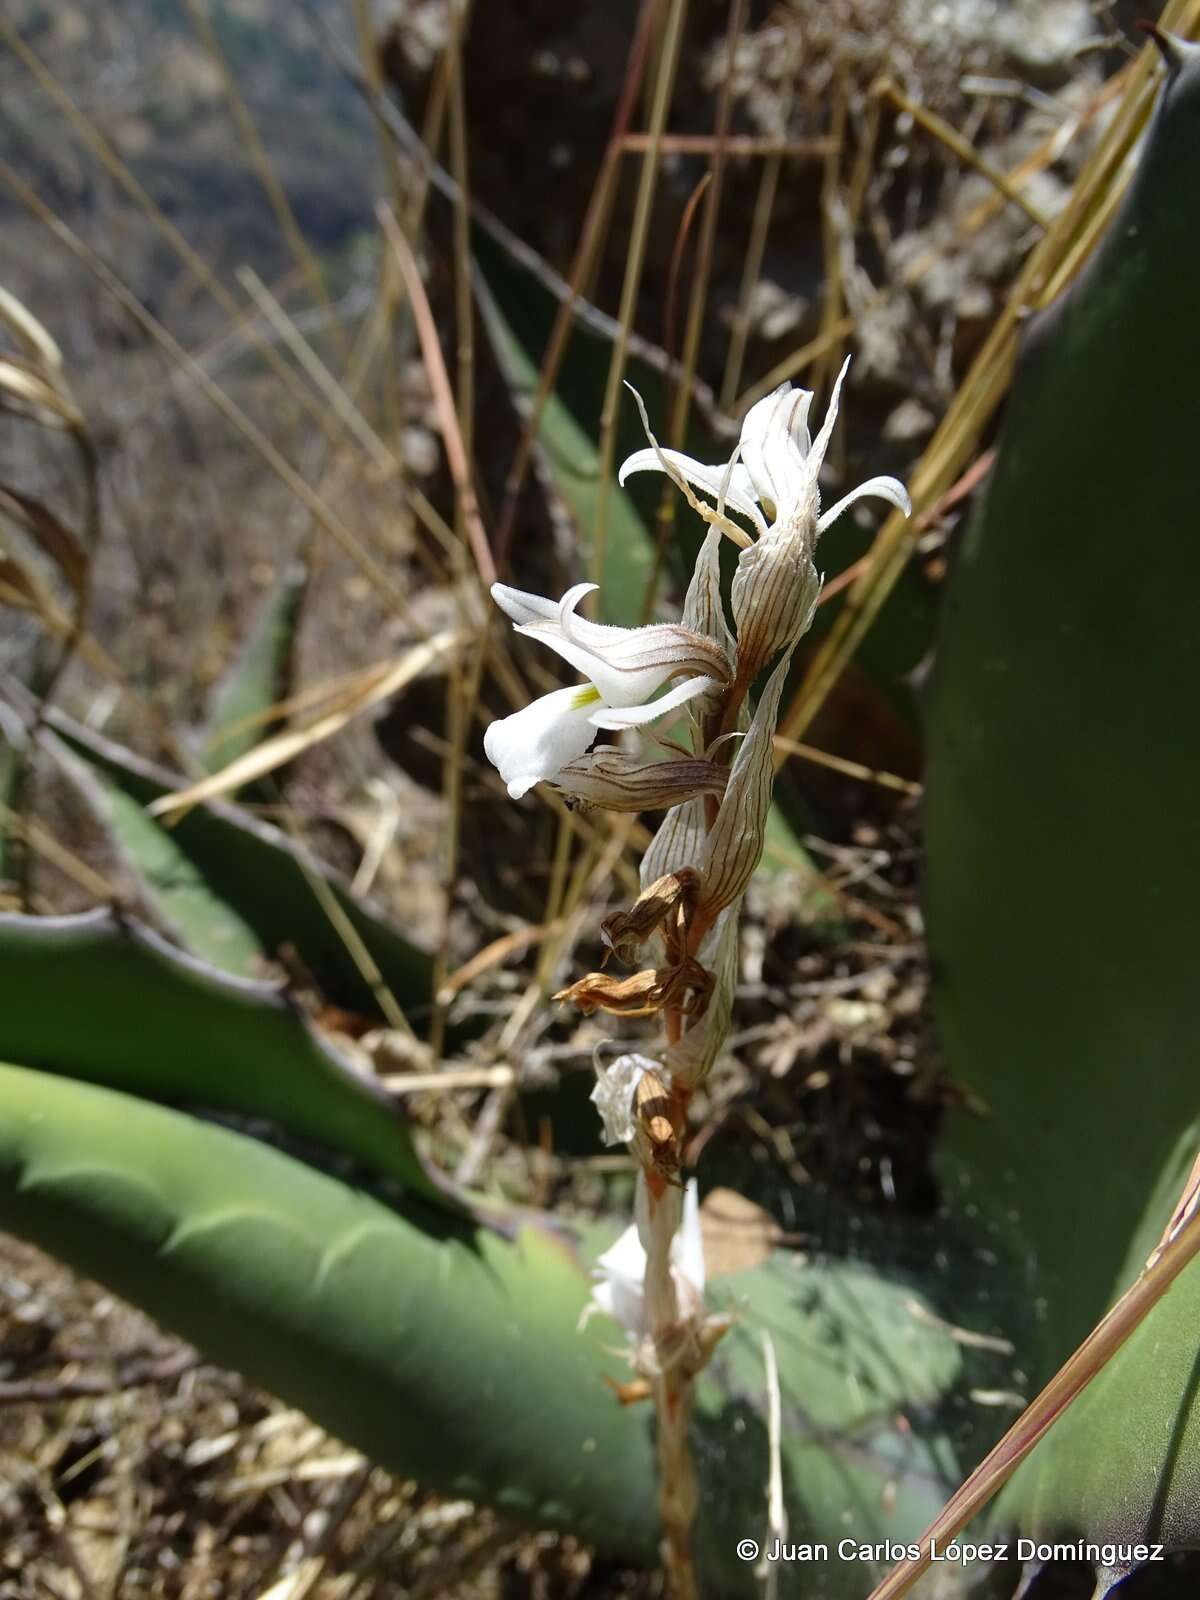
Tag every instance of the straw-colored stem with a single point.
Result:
(94, 141)
(697, 302)
(764, 204)
(462, 681)
(663, 84)
(591, 236)
(671, 1387)
(1072, 235)
(1164, 1266)
(962, 148)
(329, 522)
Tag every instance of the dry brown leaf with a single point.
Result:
(737, 1234)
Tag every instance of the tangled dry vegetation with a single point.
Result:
(883, 173)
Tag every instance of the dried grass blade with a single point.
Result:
(52, 536)
(1067, 242)
(377, 684)
(1037, 1419)
(443, 395)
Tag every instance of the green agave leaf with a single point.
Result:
(233, 887)
(103, 999)
(1062, 838)
(173, 883)
(259, 675)
(447, 1354)
(573, 461)
(451, 1353)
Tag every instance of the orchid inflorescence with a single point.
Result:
(716, 795)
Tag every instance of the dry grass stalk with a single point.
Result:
(1062, 250)
(367, 689)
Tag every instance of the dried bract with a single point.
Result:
(669, 900)
(685, 987)
(618, 780)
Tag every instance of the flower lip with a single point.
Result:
(625, 669)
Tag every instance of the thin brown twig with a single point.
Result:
(585, 253)
(133, 1374)
(664, 84)
(1068, 1383)
(734, 144)
(443, 397)
(851, 769)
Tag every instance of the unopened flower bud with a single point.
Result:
(735, 842)
(774, 595)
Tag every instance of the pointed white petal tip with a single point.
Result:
(613, 718)
(521, 606)
(889, 489)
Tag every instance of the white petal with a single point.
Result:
(591, 647)
(613, 1096)
(616, 686)
(775, 447)
(687, 1247)
(678, 476)
(614, 717)
(627, 665)
(890, 489)
(624, 1302)
(535, 742)
(821, 442)
(624, 1258)
(739, 493)
(522, 606)
(620, 1278)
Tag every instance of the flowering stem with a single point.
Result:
(677, 1494)
(672, 1388)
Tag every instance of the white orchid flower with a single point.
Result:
(620, 1287)
(625, 667)
(771, 478)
